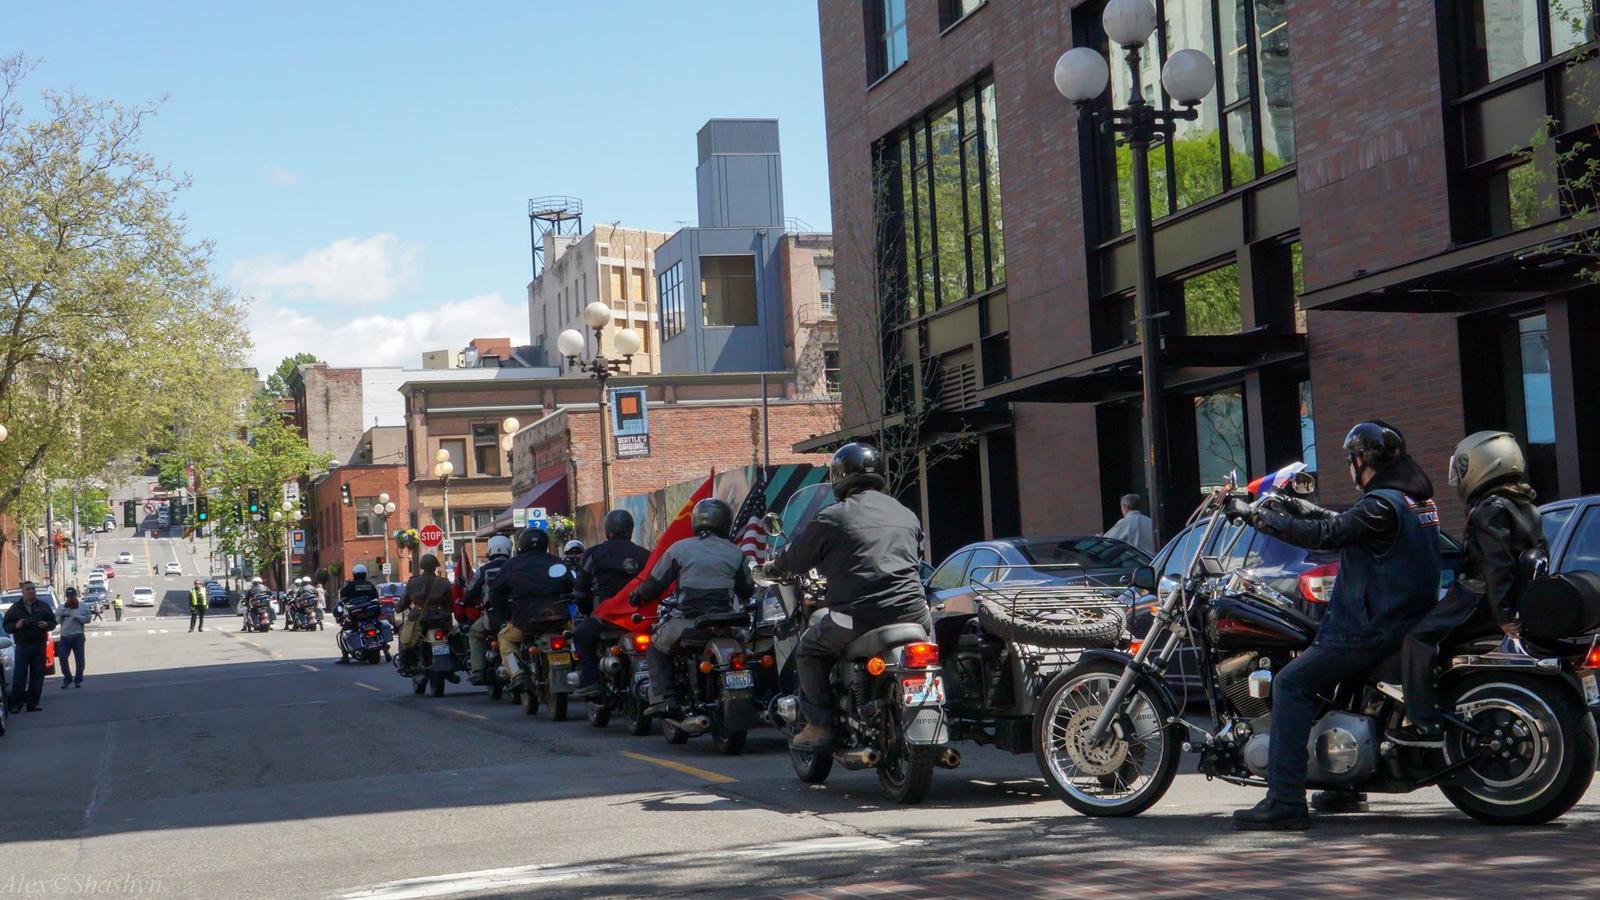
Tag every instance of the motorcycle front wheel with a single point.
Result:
(811, 768)
(1133, 764)
(1535, 755)
(600, 713)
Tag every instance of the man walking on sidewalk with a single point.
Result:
(29, 622)
(197, 606)
(70, 648)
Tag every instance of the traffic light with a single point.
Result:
(238, 513)
(254, 498)
(305, 505)
(202, 509)
(130, 516)
(344, 493)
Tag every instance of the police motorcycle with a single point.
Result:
(364, 633)
(888, 690)
(303, 613)
(712, 678)
(258, 614)
(546, 657)
(1520, 743)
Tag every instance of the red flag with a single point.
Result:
(615, 609)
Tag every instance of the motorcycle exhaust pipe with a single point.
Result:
(950, 758)
(696, 724)
(785, 709)
(865, 758)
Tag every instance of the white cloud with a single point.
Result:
(349, 270)
(381, 340)
(281, 177)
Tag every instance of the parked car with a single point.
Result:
(216, 594)
(8, 659)
(172, 568)
(125, 557)
(1573, 529)
(143, 596)
(953, 587)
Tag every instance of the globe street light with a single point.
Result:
(383, 509)
(288, 517)
(572, 345)
(508, 427)
(1081, 75)
(442, 470)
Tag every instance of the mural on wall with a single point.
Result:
(652, 511)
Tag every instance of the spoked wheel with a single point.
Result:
(906, 771)
(638, 722)
(1535, 753)
(1134, 762)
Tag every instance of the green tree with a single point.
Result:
(1560, 172)
(278, 381)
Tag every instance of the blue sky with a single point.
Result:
(364, 168)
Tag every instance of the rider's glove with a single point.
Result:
(1236, 510)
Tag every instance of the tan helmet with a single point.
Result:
(1483, 459)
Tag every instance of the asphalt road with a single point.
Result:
(221, 764)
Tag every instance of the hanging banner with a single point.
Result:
(630, 423)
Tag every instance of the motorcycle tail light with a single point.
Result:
(767, 662)
(1592, 661)
(922, 655)
(736, 661)
(876, 665)
(558, 643)
(371, 633)
(1316, 584)
(641, 642)
(438, 634)
(705, 667)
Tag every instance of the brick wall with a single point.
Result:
(329, 410)
(335, 524)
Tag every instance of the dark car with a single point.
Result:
(953, 587)
(1303, 577)
(1573, 529)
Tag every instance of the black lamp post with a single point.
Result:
(572, 343)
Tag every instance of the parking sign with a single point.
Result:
(536, 518)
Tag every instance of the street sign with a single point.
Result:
(431, 536)
(291, 491)
(519, 518)
(536, 518)
(297, 540)
(448, 547)
(386, 569)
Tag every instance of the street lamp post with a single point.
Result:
(508, 427)
(288, 517)
(443, 468)
(383, 509)
(1081, 75)
(572, 343)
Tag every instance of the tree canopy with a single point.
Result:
(278, 381)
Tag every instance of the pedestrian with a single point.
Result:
(69, 649)
(197, 606)
(116, 605)
(29, 622)
(1134, 527)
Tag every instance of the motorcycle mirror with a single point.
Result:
(772, 524)
(1144, 578)
(1303, 483)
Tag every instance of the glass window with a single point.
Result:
(1573, 23)
(486, 450)
(830, 369)
(1211, 302)
(825, 285)
(948, 200)
(953, 11)
(1584, 550)
(367, 524)
(991, 174)
(980, 571)
(1551, 522)
(1272, 68)
(669, 288)
(887, 49)
(949, 574)
(728, 290)
(1220, 436)
(1196, 145)
(1537, 403)
(457, 448)
(1093, 552)
(1297, 271)
(1308, 428)
(1178, 551)
(1505, 34)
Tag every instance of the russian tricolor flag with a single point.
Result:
(1266, 484)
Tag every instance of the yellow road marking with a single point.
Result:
(362, 684)
(462, 712)
(706, 774)
(308, 668)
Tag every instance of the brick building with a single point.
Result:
(347, 535)
(1345, 231)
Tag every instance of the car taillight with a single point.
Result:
(641, 642)
(921, 655)
(736, 661)
(438, 634)
(1316, 584)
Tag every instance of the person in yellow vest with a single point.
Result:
(116, 605)
(197, 607)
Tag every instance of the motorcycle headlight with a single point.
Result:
(771, 609)
(1167, 587)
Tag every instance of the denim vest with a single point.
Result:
(1377, 599)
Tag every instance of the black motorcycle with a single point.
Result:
(364, 634)
(1520, 743)
(258, 614)
(303, 613)
(545, 659)
(712, 679)
(619, 663)
(440, 655)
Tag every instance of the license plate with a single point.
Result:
(922, 691)
(441, 649)
(1591, 688)
(737, 681)
(559, 659)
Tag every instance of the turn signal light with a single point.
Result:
(875, 666)
(558, 643)
(768, 662)
(705, 667)
(922, 655)
(641, 642)
(616, 651)
(736, 661)
(1133, 647)
(1316, 584)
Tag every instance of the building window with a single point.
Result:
(886, 45)
(1511, 35)
(1211, 302)
(1308, 427)
(367, 523)
(825, 289)
(457, 448)
(830, 370)
(1246, 126)
(953, 11)
(728, 290)
(669, 287)
(486, 450)
(1511, 197)
(941, 182)
(1220, 436)
(1538, 405)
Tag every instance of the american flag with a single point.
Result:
(752, 538)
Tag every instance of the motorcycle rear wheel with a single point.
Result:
(728, 743)
(558, 708)
(638, 722)
(1123, 776)
(906, 771)
(600, 713)
(1553, 750)
(436, 683)
(496, 689)
(530, 702)
(419, 685)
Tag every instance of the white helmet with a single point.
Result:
(499, 545)
(256, 580)
(360, 569)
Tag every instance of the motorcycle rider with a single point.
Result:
(1489, 474)
(605, 569)
(197, 606)
(427, 598)
(486, 623)
(709, 569)
(256, 595)
(532, 586)
(359, 590)
(1389, 566)
(869, 548)
(572, 553)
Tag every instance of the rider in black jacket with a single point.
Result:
(603, 572)
(1388, 545)
(476, 595)
(869, 548)
(532, 587)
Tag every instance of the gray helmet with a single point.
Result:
(1483, 460)
(499, 545)
(572, 548)
(712, 516)
(619, 524)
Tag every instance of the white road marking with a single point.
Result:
(363, 684)
(826, 845)
(479, 881)
(308, 668)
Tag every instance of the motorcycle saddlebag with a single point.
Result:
(1562, 606)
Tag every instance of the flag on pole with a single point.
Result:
(615, 609)
(751, 536)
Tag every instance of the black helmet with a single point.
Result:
(533, 540)
(619, 524)
(712, 516)
(856, 467)
(1374, 444)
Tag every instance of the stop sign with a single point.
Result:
(431, 536)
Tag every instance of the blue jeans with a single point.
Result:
(1296, 694)
(27, 682)
(69, 650)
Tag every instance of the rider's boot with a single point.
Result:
(812, 739)
(1339, 801)
(1272, 814)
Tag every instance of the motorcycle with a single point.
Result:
(1520, 743)
(493, 678)
(712, 680)
(546, 659)
(364, 634)
(618, 667)
(441, 654)
(258, 615)
(888, 690)
(303, 612)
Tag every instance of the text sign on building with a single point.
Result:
(297, 540)
(536, 518)
(431, 535)
(291, 491)
(630, 422)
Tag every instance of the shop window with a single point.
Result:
(1220, 436)
(728, 290)
(953, 11)
(1211, 302)
(669, 288)
(886, 30)
(486, 450)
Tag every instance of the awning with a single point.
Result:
(546, 493)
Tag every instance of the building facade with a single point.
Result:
(611, 264)
(1346, 230)
(333, 408)
(346, 535)
(811, 344)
